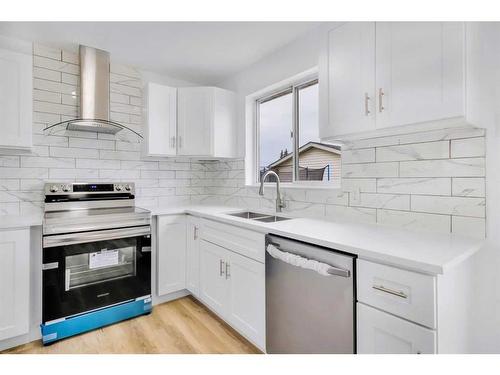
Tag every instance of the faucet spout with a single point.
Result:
(280, 203)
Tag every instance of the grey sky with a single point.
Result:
(276, 123)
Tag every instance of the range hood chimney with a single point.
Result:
(94, 95)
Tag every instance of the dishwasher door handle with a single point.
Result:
(339, 272)
(299, 261)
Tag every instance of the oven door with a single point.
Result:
(91, 270)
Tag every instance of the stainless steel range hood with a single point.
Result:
(94, 95)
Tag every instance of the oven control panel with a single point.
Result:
(57, 188)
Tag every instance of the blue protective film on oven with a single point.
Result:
(95, 319)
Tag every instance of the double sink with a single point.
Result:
(263, 218)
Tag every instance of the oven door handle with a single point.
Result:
(94, 236)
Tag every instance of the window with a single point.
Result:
(288, 137)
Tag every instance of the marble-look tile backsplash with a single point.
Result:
(432, 181)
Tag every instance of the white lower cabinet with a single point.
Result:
(171, 254)
(382, 333)
(193, 255)
(14, 282)
(214, 289)
(247, 296)
(233, 286)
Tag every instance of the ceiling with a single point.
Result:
(199, 52)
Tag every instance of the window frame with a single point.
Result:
(294, 89)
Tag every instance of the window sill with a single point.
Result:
(300, 186)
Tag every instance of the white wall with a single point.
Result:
(483, 107)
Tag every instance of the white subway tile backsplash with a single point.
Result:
(70, 57)
(9, 161)
(74, 174)
(44, 51)
(62, 109)
(92, 143)
(466, 148)
(468, 226)
(50, 75)
(467, 167)
(97, 164)
(415, 220)
(351, 214)
(389, 201)
(69, 152)
(417, 151)
(358, 156)
(60, 66)
(462, 206)
(469, 187)
(366, 185)
(428, 186)
(48, 162)
(370, 170)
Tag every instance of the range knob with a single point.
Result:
(54, 189)
(118, 187)
(66, 188)
(127, 187)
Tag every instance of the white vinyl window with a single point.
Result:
(287, 138)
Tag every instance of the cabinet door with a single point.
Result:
(14, 283)
(16, 77)
(193, 255)
(351, 79)
(171, 254)
(161, 119)
(195, 120)
(246, 309)
(382, 333)
(420, 72)
(213, 285)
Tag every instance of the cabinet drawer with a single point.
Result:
(408, 294)
(245, 242)
(382, 333)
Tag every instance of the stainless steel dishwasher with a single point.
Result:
(308, 311)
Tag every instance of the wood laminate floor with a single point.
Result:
(177, 327)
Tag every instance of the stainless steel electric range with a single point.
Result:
(96, 257)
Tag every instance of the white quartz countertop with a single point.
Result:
(425, 252)
(20, 221)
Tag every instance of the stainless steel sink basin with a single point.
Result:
(272, 219)
(248, 215)
(265, 218)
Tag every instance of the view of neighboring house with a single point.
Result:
(317, 162)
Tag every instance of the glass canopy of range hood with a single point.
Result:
(91, 125)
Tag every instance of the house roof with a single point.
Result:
(321, 146)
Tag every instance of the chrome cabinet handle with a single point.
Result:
(195, 233)
(367, 109)
(221, 267)
(172, 142)
(228, 267)
(380, 103)
(396, 293)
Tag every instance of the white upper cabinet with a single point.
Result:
(206, 122)
(190, 121)
(16, 103)
(420, 72)
(389, 74)
(161, 114)
(196, 108)
(352, 83)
